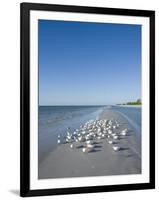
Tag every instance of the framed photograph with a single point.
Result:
(87, 99)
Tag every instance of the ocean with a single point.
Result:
(133, 116)
(54, 120)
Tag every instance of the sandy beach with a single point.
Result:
(103, 160)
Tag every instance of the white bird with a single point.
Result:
(114, 127)
(124, 132)
(104, 131)
(110, 131)
(71, 146)
(70, 138)
(81, 139)
(99, 130)
(116, 148)
(115, 137)
(67, 140)
(76, 140)
(90, 146)
(83, 132)
(88, 142)
(110, 142)
(87, 149)
(58, 141)
(100, 133)
(84, 150)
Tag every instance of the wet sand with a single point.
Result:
(103, 160)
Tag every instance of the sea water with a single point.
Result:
(132, 115)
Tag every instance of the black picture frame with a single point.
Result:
(25, 9)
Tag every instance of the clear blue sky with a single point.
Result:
(88, 63)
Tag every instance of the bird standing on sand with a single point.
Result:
(124, 132)
(94, 130)
(110, 142)
(116, 148)
(88, 148)
(71, 146)
(115, 137)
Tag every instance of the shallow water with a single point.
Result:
(133, 116)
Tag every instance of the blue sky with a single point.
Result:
(88, 63)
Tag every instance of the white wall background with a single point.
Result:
(9, 98)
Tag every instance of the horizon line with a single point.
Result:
(80, 105)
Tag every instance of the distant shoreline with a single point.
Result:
(133, 106)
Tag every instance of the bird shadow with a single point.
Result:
(97, 143)
(95, 150)
(124, 148)
(130, 155)
(130, 130)
(79, 147)
(98, 146)
(115, 142)
(128, 134)
(119, 138)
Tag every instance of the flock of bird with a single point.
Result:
(94, 130)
